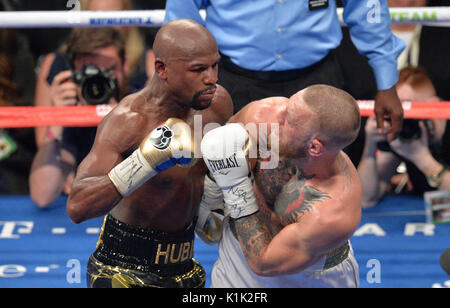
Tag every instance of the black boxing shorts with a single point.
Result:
(133, 257)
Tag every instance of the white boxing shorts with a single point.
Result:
(231, 270)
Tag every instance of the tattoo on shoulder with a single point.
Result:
(286, 189)
(297, 198)
(271, 181)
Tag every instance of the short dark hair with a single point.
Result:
(83, 41)
(338, 113)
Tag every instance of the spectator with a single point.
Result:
(424, 47)
(409, 33)
(56, 158)
(41, 41)
(420, 152)
(140, 62)
(276, 48)
(149, 32)
(17, 145)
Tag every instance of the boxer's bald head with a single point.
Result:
(181, 39)
(186, 62)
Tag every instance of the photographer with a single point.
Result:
(97, 59)
(418, 146)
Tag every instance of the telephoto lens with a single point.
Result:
(97, 85)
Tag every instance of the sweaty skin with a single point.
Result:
(168, 201)
(302, 215)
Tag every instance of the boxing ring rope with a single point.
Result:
(434, 16)
(16, 117)
(29, 116)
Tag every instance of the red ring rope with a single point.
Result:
(15, 117)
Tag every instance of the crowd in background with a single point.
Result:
(32, 62)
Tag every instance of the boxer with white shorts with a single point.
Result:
(290, 226)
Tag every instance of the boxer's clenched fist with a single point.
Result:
(168, 145)
(224, 152)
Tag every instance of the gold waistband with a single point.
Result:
(336, 256)
(134, 247)
(126, 278)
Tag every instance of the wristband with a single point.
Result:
(51, 136)
(131, 173)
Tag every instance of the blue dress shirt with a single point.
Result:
(277, 35)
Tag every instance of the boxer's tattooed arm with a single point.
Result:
(271, 181)
(294, 197)
(297, 198)
(253, 234)
(286, 189)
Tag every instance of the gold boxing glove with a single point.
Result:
(167, 145)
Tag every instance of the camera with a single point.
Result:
(410, 131)
(97, 84)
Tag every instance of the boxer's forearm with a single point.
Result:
(254, 237)
(268, 255)
(91, 197)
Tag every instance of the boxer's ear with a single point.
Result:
(161, 68)
(315, 148)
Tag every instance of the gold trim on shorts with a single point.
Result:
(126, 278)
(336, 256)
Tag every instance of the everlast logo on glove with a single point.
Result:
(226, 163)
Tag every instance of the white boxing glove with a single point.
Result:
(224, 152)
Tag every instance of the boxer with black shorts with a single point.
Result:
(142, 173)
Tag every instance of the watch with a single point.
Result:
(434, 180)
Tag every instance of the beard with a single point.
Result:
(197, 103)
(293, 150)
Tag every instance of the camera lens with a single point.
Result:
(410, 130)
(95, 88)
(97, 85)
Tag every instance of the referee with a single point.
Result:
(277, 47)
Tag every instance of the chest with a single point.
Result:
(197, 126)
(285, 193)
